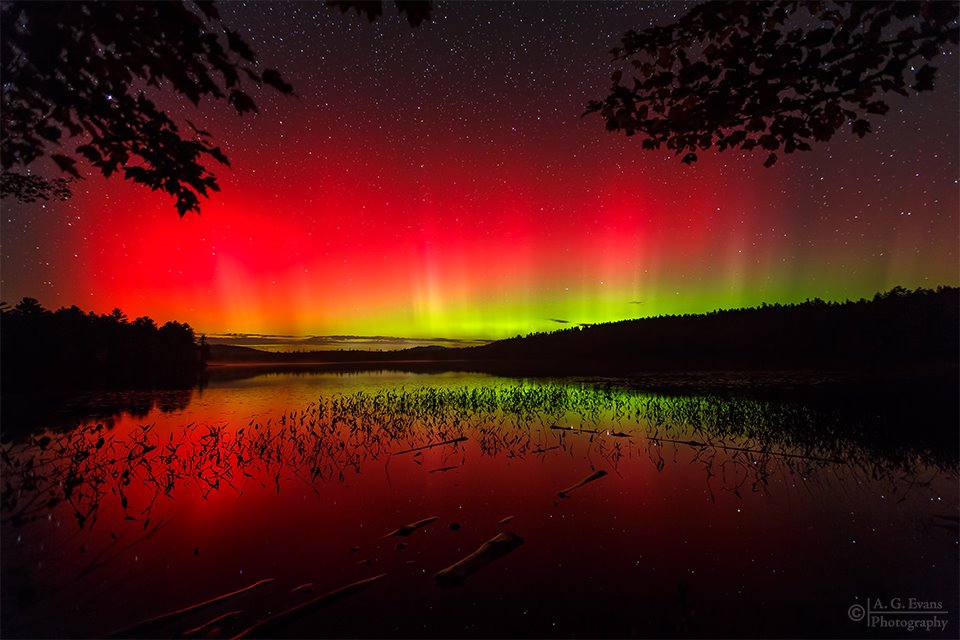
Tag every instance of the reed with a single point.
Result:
(739, 442)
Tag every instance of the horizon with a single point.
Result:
(318, 343)
(286, 343)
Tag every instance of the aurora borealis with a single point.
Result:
(439, 182)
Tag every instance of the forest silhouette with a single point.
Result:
(840, 355)
(45, 349)
(898, 328)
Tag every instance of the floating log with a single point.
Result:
(545, 450)
(499, 546)
(209, 625)
(325, 600)
(442, 469)
(138, 628)
(407, 529)
(557, 427)
(596, 475)
(782, 454)
(430, 446)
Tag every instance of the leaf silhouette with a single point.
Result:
(272, 77)
(115, 50)
(788, 73)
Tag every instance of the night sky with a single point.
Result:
(440, 182)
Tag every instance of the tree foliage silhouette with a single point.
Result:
(416, 11)
(771, 75)
(81, 71)
(44, 350)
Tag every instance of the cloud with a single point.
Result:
(558, 320)
(636, 302)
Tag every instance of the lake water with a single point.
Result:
(640, 514)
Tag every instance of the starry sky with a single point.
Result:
(440, 182)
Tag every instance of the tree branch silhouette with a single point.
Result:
(416, 11)
(80, 72)
(771, 75)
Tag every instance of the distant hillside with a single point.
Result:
(223, 353)
(899, 329)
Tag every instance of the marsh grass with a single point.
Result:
(740, 443)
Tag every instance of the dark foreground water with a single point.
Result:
(597, 511)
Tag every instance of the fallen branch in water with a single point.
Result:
(430, 446)
(701, 445)
(208, 625)
(545, 450)
(317, 603)
(157, 620)
(596, 475)
(407, 529)
(456, 574)
(556, 427)
(443, 469)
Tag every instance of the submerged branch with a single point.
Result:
(317, 603)
(138, 628)
(457, 573)
(430, 446)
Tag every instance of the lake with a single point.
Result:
(591, 508)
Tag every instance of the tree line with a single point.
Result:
(45, 349)
(896, 327)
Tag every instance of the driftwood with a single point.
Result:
(138, 628)
(782, 454)
(407, 529)
(210, 624)
(430, 446)
(545, 450)
(596, 475)
(556, 427)
(325, 600)
(456, 574)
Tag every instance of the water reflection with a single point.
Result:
(581, 467)
(739, 444)
(24, 414)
